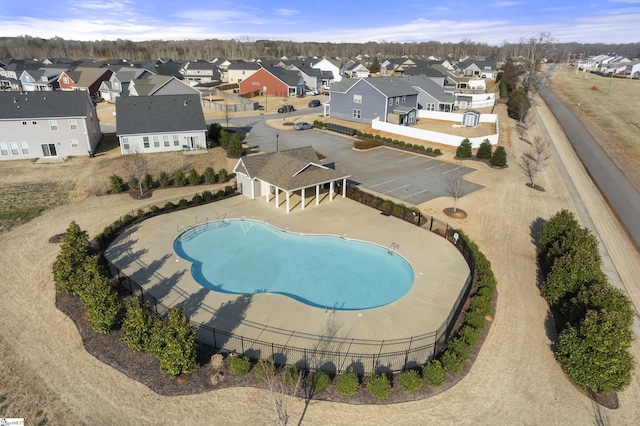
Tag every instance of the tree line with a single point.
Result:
(245, 48)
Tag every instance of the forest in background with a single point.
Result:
(38, 48)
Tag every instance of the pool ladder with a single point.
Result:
(393, 248)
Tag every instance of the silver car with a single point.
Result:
(303, 125)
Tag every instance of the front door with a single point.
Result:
(49, 150)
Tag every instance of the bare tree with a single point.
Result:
(281, 391)
(524, 118)
(455, 183)
(227, 111)
(136, 165)
(536, 50)
(535, 159)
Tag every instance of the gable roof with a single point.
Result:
(85, 77)
(16, 105)
(430, 87)
(158, 114)
(388, 86)
(289, 170)
(290, 78)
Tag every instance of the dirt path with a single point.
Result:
(515, 379)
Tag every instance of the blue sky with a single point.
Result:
(491, 22)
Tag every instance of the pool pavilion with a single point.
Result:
(292, 171)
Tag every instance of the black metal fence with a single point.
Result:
(341, 129)
(330, 353)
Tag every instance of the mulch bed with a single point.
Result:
(458, 214)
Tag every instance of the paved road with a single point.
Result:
(623, 198)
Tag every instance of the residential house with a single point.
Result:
(482, 69)
(275, 81)
(44, 79)
(312, 76)
(118, 83)
(200, 73)
(241, 70)
(162, 123)
(437, 76)
(357, 70)
(47, 124)
(431, 96)
(335, 66)
(84, 78)
(389, 99)
(160, 85)
(633, 69)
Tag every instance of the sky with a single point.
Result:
(491, 22)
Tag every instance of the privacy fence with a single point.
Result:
(327, 352)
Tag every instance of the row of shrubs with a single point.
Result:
(594, 317)
(383, 204)
(380, 385)
(232, 144)
(172, 340)
(497, 158)
(164, 179)
(369, 140)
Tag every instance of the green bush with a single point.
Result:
(481, 304)
(486, 292)
(410, 381)
(437, 151)
(292, 376)
(169, 206)
(102, 302)
(223, 139)
(469, 335)
(194, 177)
(518, 104)
(209, 175)
(555, 228)
(379, 385)
(451, 362)
(223, 175)
(421, 148)
(148, 182)
(265, 369)
(235, 147)
(137, 325)
(207, 196)
(461, 348)
(503, 89)
(348, 382)
(499, 157)
(214, 132)
(179, 178)
(475, 319)
(378, 137)
(485, 150)
(228, 189)
(197, 200)
(429, 150)
(164, 180)
(69, 266)
(140, 213)
(320, 380)
(183, 203)
(220, 193)
(366, 143)
(174, 343)
(116, 184)
(433, 373)
(154, 209)
(240, 365)
(464, 149)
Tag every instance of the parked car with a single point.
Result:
(311, 92)
(326, 87)
(286, 108)
(314, 103)
(303, 125)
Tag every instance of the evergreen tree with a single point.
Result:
(70, 261)
(175, 343)
(499, 157)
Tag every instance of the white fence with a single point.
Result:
(442, 138)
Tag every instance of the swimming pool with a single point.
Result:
(326, 271)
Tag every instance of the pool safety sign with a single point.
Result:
(11, 422)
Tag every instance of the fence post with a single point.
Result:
(431, 225)
(215, 343)
(242, 344)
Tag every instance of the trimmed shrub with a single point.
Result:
(499, 157)
(555, 228)
(433, 373)
(223, 175)
(240, 365)
(179, 178)
(116, 184)
(207, 196)
(265, 369)
(137, 325)
(175, 343)
(209, 175)
(366, 143)
(437, 151)
(292, 376)
(148, 182)
(214, 132)
(164, 179)
(197, 200)
(140, 213)
(183, 203)
(169, 206)
(379, 385)
(348, 382)
(518, 104)
(451, 362)
(487, 292)
(469, 335)
(475, 319)
(464, 149)
(485, 150)
(410, 381)
(235, 146)
(320, 380)
(154, 209)
(69, 267)
(220, 193)
(480, 304)
(223, 139)
(459, 347)
(429, 150)
(194, 177)
(228, 189)
(102, 302)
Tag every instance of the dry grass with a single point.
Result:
(612, 118)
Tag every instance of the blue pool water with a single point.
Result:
(248, 257)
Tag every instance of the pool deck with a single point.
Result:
(145, 253)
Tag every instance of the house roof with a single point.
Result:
(85, 77)
(289, 170)
(290, 78)
(431, 87)
(158, 114)
(388, 86)
(15, 105)
(244, 65)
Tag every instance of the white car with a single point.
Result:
(326, 87)
(311, 92)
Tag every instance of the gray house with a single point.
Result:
(431, 96)
(47, 124)
(389, 99)
(160, 123)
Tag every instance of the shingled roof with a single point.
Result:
(289, 170)
(16, 105)
(159, 114)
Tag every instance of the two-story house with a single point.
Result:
(241, 70)
(200, 72)
(275, 81)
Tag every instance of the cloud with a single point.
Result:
(286, 12)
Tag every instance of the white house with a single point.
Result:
(335, 66)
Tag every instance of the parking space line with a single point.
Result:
(415, 193)
(382, 183)
(413, 157)
(455, 168)
(395, 189)
(433, 167)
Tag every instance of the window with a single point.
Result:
(156, 141)
(34, 122)
(49, 149)
(74, 143)
(390, 101)
(404, 98)
(356, 113)
(145, 141)
(24, 123)
(14, 148)
(165, 140)
(116, 85)
(24, 147)
(176, 140)
(53, 124)
(4, 149)
(398, 100)
(65, 80)
(73, 125)
(357, 99)
(431, 107)
(125, 144)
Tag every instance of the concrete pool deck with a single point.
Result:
(145, 253)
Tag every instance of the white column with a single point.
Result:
(317, 194)
(287, 201)
(253, 188)
(331, 191)
(266, 195)
(344, 187)
(277, 197)
(302, 194)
